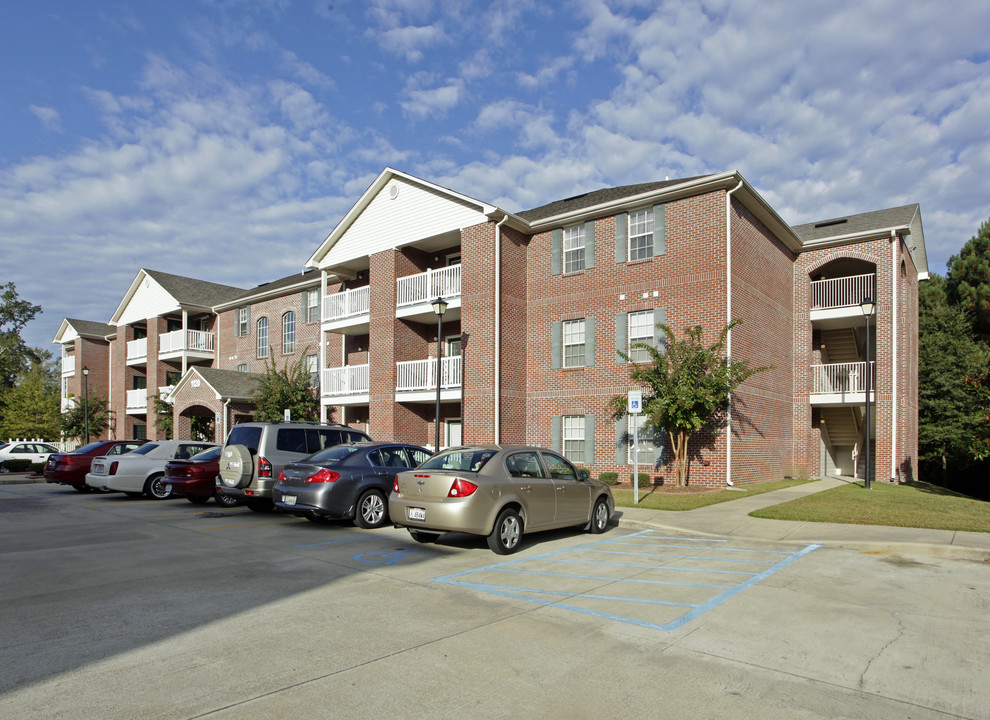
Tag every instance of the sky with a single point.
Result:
(224, 139)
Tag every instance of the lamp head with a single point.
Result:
(867, 306)
(439, 306)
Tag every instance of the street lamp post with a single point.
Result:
(439, 307)
(85, 372)
(867, 306)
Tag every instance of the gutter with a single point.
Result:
(894, 270)
(498, 330)
(728, 319)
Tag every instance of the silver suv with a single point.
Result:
(255, 453)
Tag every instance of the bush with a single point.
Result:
(644, 480)
(37, 468)
(609, 478)
(17, 465)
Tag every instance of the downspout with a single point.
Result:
(323, 345)
(728, 319)
(894, 277)
(498, 329)
(226, 414)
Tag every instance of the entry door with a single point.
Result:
(452, 433)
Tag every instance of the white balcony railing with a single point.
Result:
(137, 349)
(137, 399)
(422, 374)
(69, 365)
(186, 340)
(349, 303)
(842, 292)
(840, 378)
(164, 390)
(349, 380)
(425, 287)
(68, 403)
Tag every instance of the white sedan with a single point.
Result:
(36, 452)
(141, 471)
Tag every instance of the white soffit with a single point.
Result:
(149, 300)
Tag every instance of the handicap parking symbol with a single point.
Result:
(383, 558)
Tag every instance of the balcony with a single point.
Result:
(164, 391)
(137, 351)
(416, 380)
(345, 385)
(836, 300)
(68, 365)
(196, 344)
(414, 293)
(68, 403)
(347, 312)
(840, 383)
(137, 402)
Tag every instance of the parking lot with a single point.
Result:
(115, 607)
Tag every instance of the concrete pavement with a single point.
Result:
(731, 519)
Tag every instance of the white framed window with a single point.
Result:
(288, 333)
(572, 434)
(641, 234)
(647, 447)
(243, 367)
(573, 245)
(452, 346)
(313, 368)
(262, 337)
(640, 331)
(312, 306)
(573, 342)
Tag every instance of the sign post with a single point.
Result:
(634, 408)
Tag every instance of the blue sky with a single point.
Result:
(223, 139)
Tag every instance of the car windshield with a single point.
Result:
(206, 455)
(88, 448)
(332, 455)
(465, 460)
(144, 449)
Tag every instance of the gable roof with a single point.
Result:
(168, 293)
(296, 282)
(84, 328)
(225, 384)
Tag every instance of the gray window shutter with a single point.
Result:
(620, 441)
(659, 337)
(621, 225)
(659, 229)
(589, 439)
(660, 447)
(555, 333)
(621, 330)
(589, 244)
(248, 321)
(555, 433)
(589, 342)
(556, 241)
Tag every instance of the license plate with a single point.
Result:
(289, 499)
(417, 513)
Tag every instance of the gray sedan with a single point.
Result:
(498, 491)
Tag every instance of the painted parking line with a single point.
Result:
(644, 579)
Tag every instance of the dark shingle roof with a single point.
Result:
(189, 291)
(89, 328)
(230, 383)
(308, 277)
(856, 224)
(597, 197)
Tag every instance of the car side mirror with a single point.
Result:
(583, 475)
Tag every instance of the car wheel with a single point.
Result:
(156, 488)
(134, 494)
(422, 537)
(263, 505)
(372, 512)
(226, 500)
(505, 537)
(198, 499)
(599, 516)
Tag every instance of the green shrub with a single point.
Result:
(37, 468)
(644, 480)
(17, 465)
(609, 478)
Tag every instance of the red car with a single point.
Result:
(196, 478)
(71, 468)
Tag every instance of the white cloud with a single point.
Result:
(410, 41)
(49, 117)
(420, 102)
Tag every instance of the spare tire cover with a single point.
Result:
(236, 466)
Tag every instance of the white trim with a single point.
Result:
(728, 319)
(894, 357)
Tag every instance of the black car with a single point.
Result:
(346, 481)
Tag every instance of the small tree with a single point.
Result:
(163, 415)
(31, 408)
(687, 387)
(285, 389)
(74, 419)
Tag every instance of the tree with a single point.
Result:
(15, 355)
(31, 408)
(163, 415)
(969, 279)
(687, 387)
(74, 419)
(285, 389)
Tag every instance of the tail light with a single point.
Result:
(281, 475)
(395, 485)
(113, 468)
(323, 475)
(264, 467)
(461, 488)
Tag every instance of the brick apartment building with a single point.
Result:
(538, 303)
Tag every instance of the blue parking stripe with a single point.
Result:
(544, 596)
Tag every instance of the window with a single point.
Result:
(640, 331)
(524, 465)
(573, 343)
(640, 235)
(452, 346)
(243, 367)
(573, 436)
(559, 468)
(573, 239)
(288, 333)
(647, 446)
(263, 337)
(312, 306)
(139, 382)
(141, 432)
(172, 377)
(313, 368)
(243, 321)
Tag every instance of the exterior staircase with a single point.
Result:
(842, 427)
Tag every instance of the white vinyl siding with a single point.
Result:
(640, 235)
(573, 239)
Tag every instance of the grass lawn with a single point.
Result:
(664, 497)
(914, 504)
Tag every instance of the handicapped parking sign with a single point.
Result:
(635, 406)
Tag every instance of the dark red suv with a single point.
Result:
(71, 468)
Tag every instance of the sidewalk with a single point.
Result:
(731, 519)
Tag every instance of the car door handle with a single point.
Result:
(525, 488)
(561, 488)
